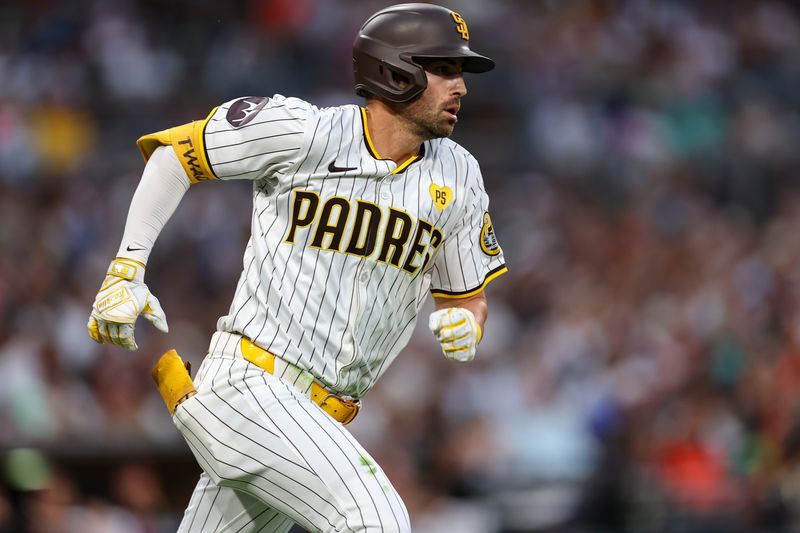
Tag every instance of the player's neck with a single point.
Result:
(389, 138)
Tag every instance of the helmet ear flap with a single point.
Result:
(383, 78)
(395, 79)
(407, 84)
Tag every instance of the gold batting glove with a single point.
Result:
(457, 331)
(123, 296)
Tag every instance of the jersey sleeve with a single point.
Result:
(470, 257)
(246, 138)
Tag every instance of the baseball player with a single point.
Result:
(358, 213)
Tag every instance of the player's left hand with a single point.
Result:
(457, 331)
(123, 296)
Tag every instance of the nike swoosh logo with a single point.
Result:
(133, 249)
(333, 168)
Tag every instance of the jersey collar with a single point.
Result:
(374, 153)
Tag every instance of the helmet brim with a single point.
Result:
(473, 62)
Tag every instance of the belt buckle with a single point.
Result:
(353, 406)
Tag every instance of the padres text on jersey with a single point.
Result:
(336, 227)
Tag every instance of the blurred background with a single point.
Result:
(641, 366)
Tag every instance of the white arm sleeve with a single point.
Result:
(161, 189)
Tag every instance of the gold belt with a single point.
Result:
(340, 409)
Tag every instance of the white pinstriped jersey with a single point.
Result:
(345, 246)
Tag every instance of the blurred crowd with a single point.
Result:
(641, 367)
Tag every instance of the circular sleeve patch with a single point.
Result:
(488, 238)
(245, 109)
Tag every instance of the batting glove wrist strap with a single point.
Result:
(457, 331)
(128, 269)
(122, 297)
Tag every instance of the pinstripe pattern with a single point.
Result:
(342, 317)
(217, 509)
(272, 457)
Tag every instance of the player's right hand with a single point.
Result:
(457, 331)
(123, 296)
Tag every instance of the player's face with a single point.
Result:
(434, 113)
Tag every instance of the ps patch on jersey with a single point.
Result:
(488, 239)
(441, 196)
(245, 109)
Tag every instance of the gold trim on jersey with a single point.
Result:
(371, 147)
(405, 164)
(374, 153)
(459, 295)
(188, 143)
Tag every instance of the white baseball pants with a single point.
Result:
(272, 457)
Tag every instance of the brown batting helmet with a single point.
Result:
(391, 42)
